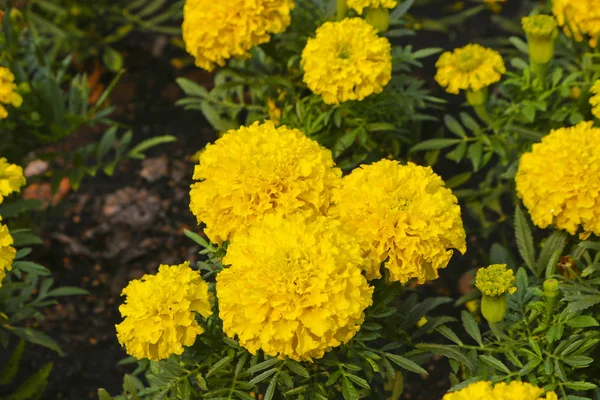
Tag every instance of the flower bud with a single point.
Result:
(379, 18)
(477, 98)
(494, 308)
(550, 288)
(541, 32)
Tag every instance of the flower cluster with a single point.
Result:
(578, 18)
(485, 390)
(404, 216)
(360, 5)
(558, 180)
(8, 94)
(470, 68)
(495, 280)
(260, 170)
(11, 178)
(159, 312)
(7, 251)
(294, 288)
(595, 100)
(347, 61)
(214, 31)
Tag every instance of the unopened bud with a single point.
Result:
(379, 18)
(494, 308)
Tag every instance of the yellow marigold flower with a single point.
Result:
(347, 61)
(360, 5)
(472, 68)
(595, 100)
(160, 311)
(295, 287)
(495, 280)
(483, 390)
(214, 31)
(8, 95)
(558, 180)
(404, 216)
(11, 178)
(578, 18)
(260, 170)
(7, 251)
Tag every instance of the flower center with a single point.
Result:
(468, 60)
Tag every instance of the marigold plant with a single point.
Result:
(215, 31)
(558, 180)
(294, 288)
(8, 94)
(11, 178)
(7, 251)
(404, 216)
(515, 390)
(160, 312)
(347, 60)
(258, 170)
(360, 5)
(470, 68)
(578, 18)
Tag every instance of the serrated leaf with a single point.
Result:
(263, 365)
(447, 332)
(297, 368)
(435, 144)
(218, 365)
(104, 395)
(555, 242)
(405, 363)
(359, 381)
(37, 337)
(106, 143)
(580, 385)
(12, 366)
(529, 367)
(138, 150)
(348, 390)
(68, 291)
(447, 351)
(582, 321)
(471, 326)
(33, 386)
(31, 268)
(262, 376)
(454, 126)
(271, 389)
(494, 363)
(524, 239)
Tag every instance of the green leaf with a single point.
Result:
(454, 126)
(458, 180)
(405, 363)
(31, 268)
(529, 367)
(494, 363)
(475, 154)
(297, 368)
(348, 390)
(524, 239)
(519, 44)
(24, 237)
(263, 365)
(359, 381)
(12, 366)
(32, 386)
(18, 207)
(582, 321)
(435, 144)
(401, 9)
(112, 59)
(447, 351)
(271, 389)
(138, 151)
(218, 365)
(447, 332)
(68, 291)
(191, 88)
(580, 385)
(103, 395)
(556, 241)
(106, 143)
(578, 361)
(471, 326)
(261, 377)
(34, 336)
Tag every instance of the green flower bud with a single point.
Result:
(541, 32)
(477, 98)
(494, 308)
(550, 288)
(379, 18)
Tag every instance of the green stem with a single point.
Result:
(342, 10)
(540, 71)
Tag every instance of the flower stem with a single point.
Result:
(342, 10)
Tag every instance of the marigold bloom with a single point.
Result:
(214, 31)
(294, 289)
(595, 100)
(558, 180)
(484, 390)
(495, 280)
(360, 5)
(472, 67)
(347, 61)
(8, 94)
(160, 311)
(578, 18)
(7, 251)
(11, 178)
(260, 170)
(403, 215)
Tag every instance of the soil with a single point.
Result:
(116, 229)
